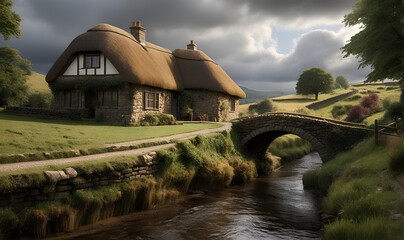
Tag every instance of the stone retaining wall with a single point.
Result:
(61, 184)
(328, 101)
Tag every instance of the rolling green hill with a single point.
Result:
(256, 96)
(36, 83)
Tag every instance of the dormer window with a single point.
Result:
(91, 60)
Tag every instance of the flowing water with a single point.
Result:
(274, 207)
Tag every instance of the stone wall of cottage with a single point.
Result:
(61, 184)
(117, 114)
(213, 106)
(130, 109)
(138, 111)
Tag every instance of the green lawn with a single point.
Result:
(20, 134)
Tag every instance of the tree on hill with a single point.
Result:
(342, 82)
(9, 21)
(380, 42)
(13, 68)
(314, 81)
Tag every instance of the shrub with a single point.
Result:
(339, 110)
(357, 113)
(185, 100)
(158, 119)
(386, 102)
(39, 100)
(396, 163)
(370, 101)
(264, 106)
(394, 110)
(74, 115)
(166, 119)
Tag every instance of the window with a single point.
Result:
(92, 60)
(108, 98)
(71, 99)
(232, 105)
(151, 101)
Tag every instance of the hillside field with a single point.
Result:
(298, 103)
(36, 83)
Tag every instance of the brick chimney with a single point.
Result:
(192, 46)
(138, 31)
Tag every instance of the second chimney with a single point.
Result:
(192, 46)
(138, 31)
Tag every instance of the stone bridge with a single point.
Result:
(327, 136)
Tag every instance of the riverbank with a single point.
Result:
(201, 164)
(269, 207)
(364, 195)
(204, 163)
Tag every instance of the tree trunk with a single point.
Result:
(316, 96)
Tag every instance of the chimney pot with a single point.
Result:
(192, 46)
(138, 31)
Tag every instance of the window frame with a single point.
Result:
(92, 62)
(70, 97)
(111, 94)
(232, 105)
(151, 98)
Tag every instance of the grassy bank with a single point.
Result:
(204, 163)
(289, 147)
(19, 134)
(361, 194)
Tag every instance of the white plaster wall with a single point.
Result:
(110, 68)
(72, 69)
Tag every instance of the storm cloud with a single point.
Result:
(237, 34)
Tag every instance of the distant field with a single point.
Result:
(25, 135)
(36, 82)
(297, 103)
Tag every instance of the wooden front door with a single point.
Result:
(91, 102)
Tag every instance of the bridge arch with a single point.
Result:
(256, 133)
(258, 141)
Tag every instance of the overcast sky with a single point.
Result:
(261, 44)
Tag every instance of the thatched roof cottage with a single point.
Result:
(111, 74)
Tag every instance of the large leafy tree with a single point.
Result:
(380, 42)
(342, 82)
(314, 81)
(13, 68)
(13, 76)
(9, 20)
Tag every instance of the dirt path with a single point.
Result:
(226, 127)
(42, 163)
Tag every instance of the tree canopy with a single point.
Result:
(13, 68)
(314, 81)
(13, 76)
(342, 82)
(9, 20)
(380, 42)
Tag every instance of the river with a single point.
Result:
(273, 207)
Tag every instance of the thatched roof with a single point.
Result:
(148, 64)
(151, 65)
(198, 71)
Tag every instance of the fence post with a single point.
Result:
(376, 133)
